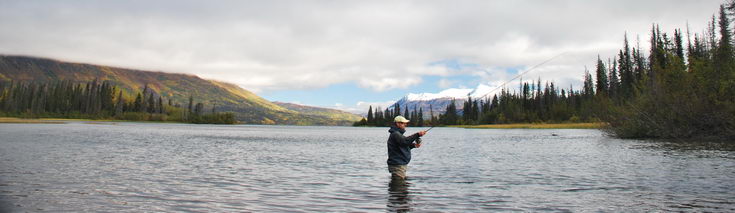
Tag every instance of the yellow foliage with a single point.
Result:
(536, 126)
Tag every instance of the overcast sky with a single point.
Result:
(342, 54)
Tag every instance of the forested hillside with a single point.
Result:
(246, 106)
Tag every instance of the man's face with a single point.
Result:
(401, 125)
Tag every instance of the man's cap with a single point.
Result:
(400, 119)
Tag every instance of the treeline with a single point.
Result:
(684, 88)
(380, 117)
(95, 100)
(534, 104)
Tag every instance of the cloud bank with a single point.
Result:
(380, 45)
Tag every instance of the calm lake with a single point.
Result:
(135, 167)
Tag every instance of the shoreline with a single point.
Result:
(16, 120)
(535, 126)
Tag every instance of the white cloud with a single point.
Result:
(361, 107)
(381, 45)
(387, 83)
(445, 83)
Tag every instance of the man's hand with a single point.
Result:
(417, 145)
(422, 133)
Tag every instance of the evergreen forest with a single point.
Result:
(682, 87)
(99, 100)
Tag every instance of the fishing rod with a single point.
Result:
(418, 140)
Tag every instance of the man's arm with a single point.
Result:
(411, 139)
(415, 136)
(401, 140)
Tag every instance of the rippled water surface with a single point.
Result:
(134, 167)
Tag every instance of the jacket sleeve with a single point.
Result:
(412, 138)
(403, 140)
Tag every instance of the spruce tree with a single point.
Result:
(119, 105)
(138, 104)
(724, 61)
(614, 82)
(151, 108)
(450, 117)
(601, 74)
(370, 119)
(396, 110)
(678, 44)
(588, 87)
(625, 67)
(475, 111)
(405, 114)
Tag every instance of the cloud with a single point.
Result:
(380, 45)
(361, 107)
(445, 83)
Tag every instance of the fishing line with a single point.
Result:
(522, 73)
(502, 85)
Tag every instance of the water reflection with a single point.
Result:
(399, 200)
(699, 149)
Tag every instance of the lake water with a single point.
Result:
(134, 167)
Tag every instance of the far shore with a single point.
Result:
(484, 126)
(535, 126)
(50, 120)
(16, 120)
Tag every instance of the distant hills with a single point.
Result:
(247, 106)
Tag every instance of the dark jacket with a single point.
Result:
(399, 146)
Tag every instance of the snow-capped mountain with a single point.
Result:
(449, 93)
(438, 102)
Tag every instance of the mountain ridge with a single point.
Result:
(248, 107)
(438, 102)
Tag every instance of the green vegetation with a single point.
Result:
(246, 106)
(535, 126)
(532, 105)
(385, 118)
(680, 95)
(678, 91)
(30, 121)
(93, 100)
(309, 115)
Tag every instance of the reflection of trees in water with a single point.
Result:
(398, 197)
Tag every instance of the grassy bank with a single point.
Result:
(535, 126)
(65, 120)
(36, 120)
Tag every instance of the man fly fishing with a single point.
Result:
(399, 147)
